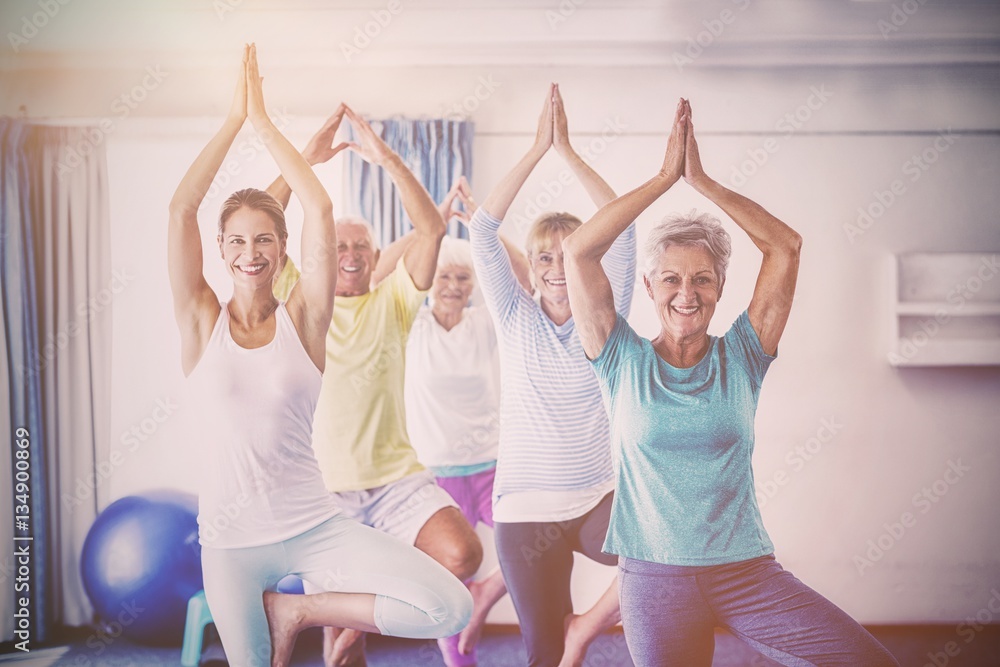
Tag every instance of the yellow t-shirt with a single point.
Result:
(359, 433)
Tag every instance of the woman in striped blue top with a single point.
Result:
(554, 481)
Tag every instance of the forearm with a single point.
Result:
(279, 190)
(417, 202)
(501, 197)
(597, 188)
(766, 231)
(295, 170)
(594, 239)
(198, 179)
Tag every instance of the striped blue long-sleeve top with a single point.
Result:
(554, 433)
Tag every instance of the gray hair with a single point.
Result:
(455, 252)
(693, 229)
(358, 220)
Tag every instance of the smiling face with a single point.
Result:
(356, 259)
(252, 248)
(547, 269)
(685, 288)
(452, 288)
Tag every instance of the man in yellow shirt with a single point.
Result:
(359, 432)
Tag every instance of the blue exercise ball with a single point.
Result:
(141, 563)
(290, 584)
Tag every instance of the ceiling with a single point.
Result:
(107, 34)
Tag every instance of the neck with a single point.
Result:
(557, 310)
(681, 352)
(447, 318)
(251, 307)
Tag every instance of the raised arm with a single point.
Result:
(319, 150)
(390, 255)
(781, 245)
(518, 260)
(310, 303)
(420, 258)
(196, 307)
(590, 293)
(598, 189)
(501, 197)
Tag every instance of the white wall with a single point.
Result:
(897, 429)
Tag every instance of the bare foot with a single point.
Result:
(344, 647)
(576, 642)
(469, 637)
(284, 620)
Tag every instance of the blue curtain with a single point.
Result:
(54, 260)
(22, 342)
(438, 151)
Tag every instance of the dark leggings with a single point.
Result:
(537, 561)
(670, 613)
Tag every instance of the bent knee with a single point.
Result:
(456, 610)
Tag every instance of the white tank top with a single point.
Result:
(260, 480)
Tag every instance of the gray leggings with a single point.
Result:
(670, 613)
(537, 561)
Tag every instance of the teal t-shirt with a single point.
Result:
(683, 439)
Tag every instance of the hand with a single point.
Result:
(371, 148)
(465, 196)
(238, 112)
(320, 148)
(694, 174)
(543, 137)
(255, 90)
(560, 129)
(673, 161)
(449, 199)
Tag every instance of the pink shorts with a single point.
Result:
(474, 495)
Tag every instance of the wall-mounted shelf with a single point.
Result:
(945, 309)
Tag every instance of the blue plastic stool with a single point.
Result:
(198, 616)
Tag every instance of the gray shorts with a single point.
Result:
(400, 508)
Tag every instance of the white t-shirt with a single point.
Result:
(452, 390)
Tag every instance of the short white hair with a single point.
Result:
(358, 220)
(693, 229)
(455, 252)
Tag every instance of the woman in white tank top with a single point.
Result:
(255, 367)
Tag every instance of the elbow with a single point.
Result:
(571, 246)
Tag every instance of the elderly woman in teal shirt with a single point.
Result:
(693, 552)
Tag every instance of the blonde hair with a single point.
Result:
(255, 200)
(547, 228)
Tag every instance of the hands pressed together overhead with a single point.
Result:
(682, 158)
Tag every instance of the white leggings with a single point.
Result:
(414, 595)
